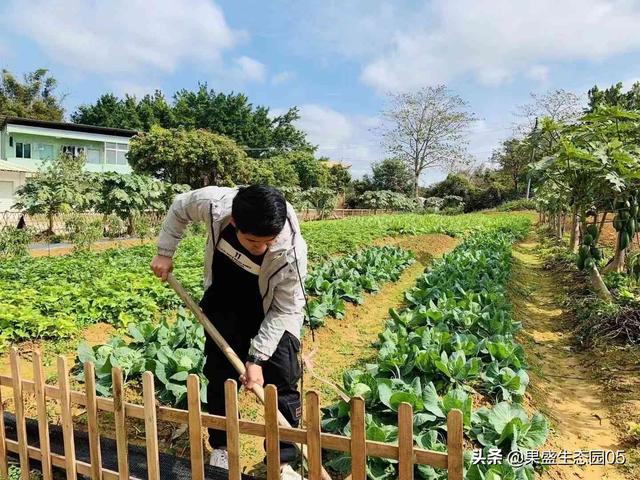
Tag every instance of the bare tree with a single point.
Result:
(559, 105)
(427, 128)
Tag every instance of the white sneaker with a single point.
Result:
(288, 473)
(219, 458)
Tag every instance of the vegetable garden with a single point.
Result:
(453, 345)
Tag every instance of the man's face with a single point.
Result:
(255, 244)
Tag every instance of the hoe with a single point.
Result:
(228, 351)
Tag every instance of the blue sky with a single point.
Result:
(335, 60)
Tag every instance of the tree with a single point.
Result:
(339, 178)
(558, 105)
(513, 157)
(426, 129)
(59, 186)
(614, 97)
(276, 171)
(129, 113)
(35, 97)
(322, 199)
(128, 195)
(392, 174)
(194, 157)
(311, 172)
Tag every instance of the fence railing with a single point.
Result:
(357, 445)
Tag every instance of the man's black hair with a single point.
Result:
(259, 210)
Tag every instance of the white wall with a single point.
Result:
(7, 192)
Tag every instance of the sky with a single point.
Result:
(335, 60)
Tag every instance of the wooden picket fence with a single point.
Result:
(357, 445)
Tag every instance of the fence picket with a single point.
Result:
(150, 426)
(4, 467)
(195, 427)
(21, 427)
(272, 433)
(358, 440)
(92, 421)
(67, 418)
(314, 452)
(455, 457)
(43, 421)
(405, 441)
(120, 425)
(233, 428)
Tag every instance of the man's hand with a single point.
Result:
(162, 266)
(252, 376)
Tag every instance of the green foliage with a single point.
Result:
(231, 115)
(171, 351)
(275, 171)
(387, 200)
(128, 112)
(311, 171)
(347, 278)
(59, 186)
(392, 174)
(476, 194)
(128, 195)
(615, 97)
(322, 199)
(193, 157)
(516, 205)
(14, 242)
(83, 232)
(34, 97)
(456, 336)
(114, 226)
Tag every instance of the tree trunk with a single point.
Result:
(602, 222)
(559, 226)
(415, 186)
(50, 217)
(617, 264)
(575, 231)
(130, 227)
(598, 285)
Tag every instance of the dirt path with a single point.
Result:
(341, 344)
(562, 385)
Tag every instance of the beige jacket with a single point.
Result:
(279, 283)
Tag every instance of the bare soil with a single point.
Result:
(564, 382)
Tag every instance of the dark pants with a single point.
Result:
(282, 370)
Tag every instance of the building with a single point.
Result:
(26, 143)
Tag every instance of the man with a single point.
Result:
(255, 263)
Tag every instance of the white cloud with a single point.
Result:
(493, 41)
(341, 137)
(125, 36)
(283, 77)
(249, 69)
(539, 73)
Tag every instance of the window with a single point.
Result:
(93, 156)
(6, 190)
(45, 151)
(23, 150)
(73, 150)
(116, 153)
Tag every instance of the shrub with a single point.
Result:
(387, 200)
(322, 199)
(115, 226)
(83, 232)
(14, 242)
(144, 227)
(520, 204)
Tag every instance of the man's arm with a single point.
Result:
(287, 309)
(187, 207)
